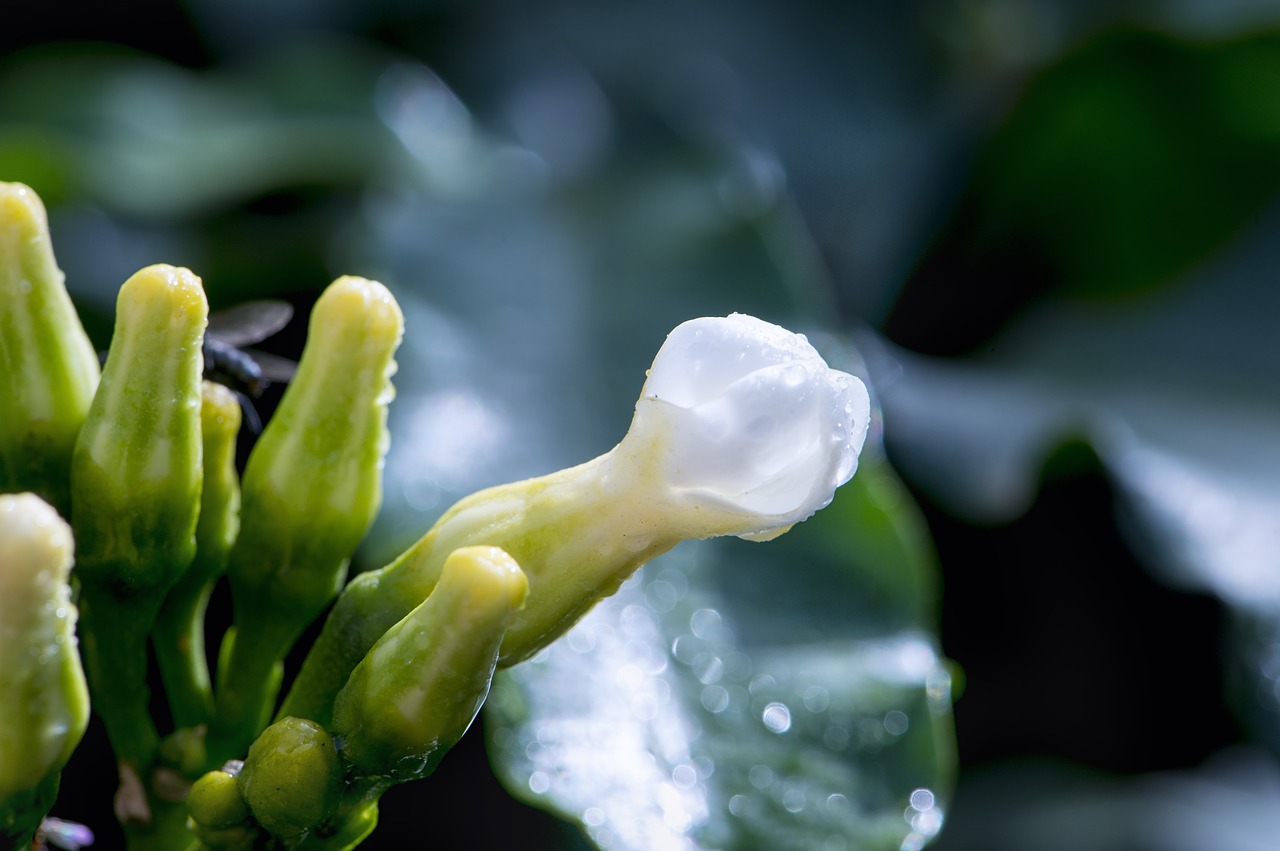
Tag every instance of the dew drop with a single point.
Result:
(777, 717)
(684, 776)
(715, 699)
(708, 668)
(895, 722)
(793, 799)
(704, 621)
(836, 737)
(760, 776)
(816, 699)
(582, 638)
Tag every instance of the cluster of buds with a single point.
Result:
(741, 429)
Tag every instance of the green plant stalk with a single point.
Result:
(48, 368)
(22, 812)
(312, 487)
(135, 481)
(407, 703)
(576, 534)
(178, 636)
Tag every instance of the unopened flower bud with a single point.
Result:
(136, 474)
(745, 428)
(135, 487)
(311, 488)
(48, 368)
(215, 801)
(313, 483)
(44, 704)
(742, 429)
(178, 636)
(290, 777)
(419, 688)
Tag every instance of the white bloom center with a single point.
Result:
(753, 420)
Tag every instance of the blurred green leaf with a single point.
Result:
(1134, 157)
(741, 696)
(1119, 167)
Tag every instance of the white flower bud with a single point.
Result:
(741, 429)
(751, 427)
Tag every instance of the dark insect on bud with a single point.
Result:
(248, 373)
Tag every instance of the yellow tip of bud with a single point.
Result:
(490, 576)
(169, 298)
(360, 309)
(219, 410)
(22, 210)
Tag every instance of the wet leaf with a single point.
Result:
(785, 695)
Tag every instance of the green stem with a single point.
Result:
(166, 832)
(249, 680)
(178, 638)
(115, 660)
(21, 813)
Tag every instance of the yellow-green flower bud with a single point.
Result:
(312, 487)
(419, 688)
(215, 801)
(136, 474)
(135, 488)
(48, 368)
(291, 777)
(219, 521)
(179, 629)
(44, 704)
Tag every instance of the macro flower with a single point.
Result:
(741, 429)
(751, 421)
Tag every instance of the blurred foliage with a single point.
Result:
(1119, 167)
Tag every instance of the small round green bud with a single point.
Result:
(215, 801)
(290, 777)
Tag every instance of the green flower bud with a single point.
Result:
(136, 474)
(215, 801)
(219, 521)
(290, 778)
(312, 487)
(179, 631)
(135, 485)
(419, 688)
(44, 704)
(48, 368)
